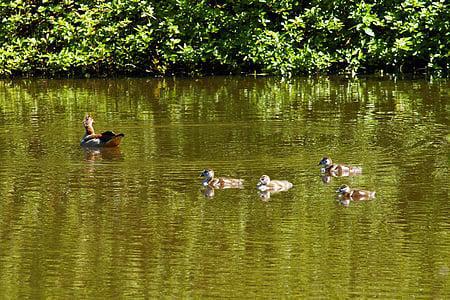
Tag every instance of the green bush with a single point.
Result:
(287, 37)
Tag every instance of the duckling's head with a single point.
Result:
(326, 161)
(343, 189)
(207, 173)
(264, 180)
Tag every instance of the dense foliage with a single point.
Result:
(104, 37)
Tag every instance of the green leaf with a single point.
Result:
(369, 31)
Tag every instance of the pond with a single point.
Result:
(136, 222)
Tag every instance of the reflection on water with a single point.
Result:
(134, 221)
(99, 154)
(346, 201)
(265, 195)
(209, 192)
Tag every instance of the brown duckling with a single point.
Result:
(92, 139)
(266, 184)
(220, 182)
(338, 169)
(354, 194)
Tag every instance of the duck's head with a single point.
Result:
(88, 121)
(343, 189)
(207, 173)
(326, 161)
(264, 180)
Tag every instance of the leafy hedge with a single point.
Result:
(106, 37)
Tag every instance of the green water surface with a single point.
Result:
(135, 222)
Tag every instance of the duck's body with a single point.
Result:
(265, 184)
(219, 182)
(354, 194)
(338, 169)
(92, 139)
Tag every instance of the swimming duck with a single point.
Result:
(347, 193)
(220, 182)
(338, 169)
(265, 184)
(92, 139)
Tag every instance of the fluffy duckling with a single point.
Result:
(92, 139)
(265, 184)
(338, 169)
(347, 193)
(220, 182)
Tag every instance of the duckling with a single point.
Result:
(220, 182)
(92, 139)
(347, 193)
(338, 169)
(265, 184)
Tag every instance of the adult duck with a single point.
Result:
(92, 139)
